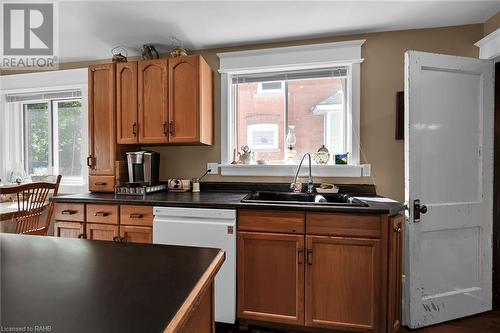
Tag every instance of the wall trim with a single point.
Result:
(489, 46)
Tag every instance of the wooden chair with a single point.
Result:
(31, 204)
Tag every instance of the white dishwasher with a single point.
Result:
(202, 227)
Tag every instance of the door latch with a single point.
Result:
(417, 210)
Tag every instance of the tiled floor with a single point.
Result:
(488, 322)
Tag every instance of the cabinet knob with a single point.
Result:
(116, 239)
(309, 257)
(81, 236)
(171, 128)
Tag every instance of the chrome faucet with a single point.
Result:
(310, 183)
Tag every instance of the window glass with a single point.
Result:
(69, 137)
(53, 138)
(37, 137)
(314, 107)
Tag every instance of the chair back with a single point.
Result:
(32, 202)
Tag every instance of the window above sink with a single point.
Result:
(312, 91)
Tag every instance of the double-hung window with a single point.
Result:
(310, 91)
(53, 138)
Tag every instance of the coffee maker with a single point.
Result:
(143, 168)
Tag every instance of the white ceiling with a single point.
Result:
(88, 30)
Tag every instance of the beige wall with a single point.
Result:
(492, 24)
(381, 77)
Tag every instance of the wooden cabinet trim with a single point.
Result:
(277, 221)
(90, 228)
(395, 272)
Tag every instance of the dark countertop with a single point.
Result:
(224, 199)
(85, 286)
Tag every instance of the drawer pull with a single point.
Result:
(69, 212)
(136, 216)
(101, 214)
(100, 183)
(165, 129)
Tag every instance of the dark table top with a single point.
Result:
(85, 286)
(214, 199)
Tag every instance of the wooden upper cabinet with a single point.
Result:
(343, 283)
(127, 126)
(153, 101)
(102, 124)
(190, 100)
(270, 273)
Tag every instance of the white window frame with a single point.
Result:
(293, 58)
(11, 146)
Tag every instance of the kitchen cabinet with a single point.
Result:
(133, 234)
(126, 103)
(69, 229)
(126, 223)
(102, 124)
(343, 283)
(190, 111)
(96, 231)
(394, 303)
(271, 277)
(319, 270)
(153, 101)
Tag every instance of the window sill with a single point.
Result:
(73, 188)
(362, 170)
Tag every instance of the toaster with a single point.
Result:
(179, 185)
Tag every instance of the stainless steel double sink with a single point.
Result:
(293, 198)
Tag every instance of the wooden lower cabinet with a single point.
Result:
(95, 231)
(395, 263)
(133, 234)
(69, 229)
(343, 283)
(271, 277)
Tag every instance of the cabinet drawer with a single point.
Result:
(136, 215)
(107, 214)
(271, 221)
(101, 183)
(349, 225)
(69, 212)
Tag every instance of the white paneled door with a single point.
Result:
(449, 185)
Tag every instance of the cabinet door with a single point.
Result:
(127, 130)
(102, 126)
(134, 234)
(394, 301)
(69, 229)
(184, 102)
(271, 277)
(101, 231)
(153, 101)
(343, 283)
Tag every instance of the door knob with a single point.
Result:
(417, 210)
